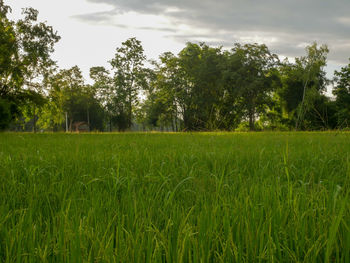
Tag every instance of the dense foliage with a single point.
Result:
(25, 48)
(202, 88)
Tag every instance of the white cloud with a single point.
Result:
(344, 20)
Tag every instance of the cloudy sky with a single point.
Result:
(92, 29)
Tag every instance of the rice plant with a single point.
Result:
(157, 197)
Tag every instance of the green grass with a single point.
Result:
(215, 197)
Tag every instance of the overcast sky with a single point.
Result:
(92, 29)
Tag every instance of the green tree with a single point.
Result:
(231, 112)
(69, 95)
(106, 93)
(302, 85)
(10, 74)
(164, 105)
(31, 107)
(200, 90)
(251, 79)
(112, 97)
(128, 79)
(187, 90)
(342, 92)
(25, 49)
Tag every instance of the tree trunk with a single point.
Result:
(175, 117)
(66, 122)
(176, 128)
(251, 120)
(186, 122)
(88, 118)
(34, 120)
(173, 123)
(70, 124)
(130, 102)
(130, 113)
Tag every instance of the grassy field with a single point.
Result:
(216, 197)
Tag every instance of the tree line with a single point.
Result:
(202, 88)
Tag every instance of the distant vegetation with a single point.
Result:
(200, 89)
(215, 197)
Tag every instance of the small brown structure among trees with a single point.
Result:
(80, 126)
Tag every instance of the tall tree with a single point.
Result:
(106, 93)
(252, 78)
(10, 73)
(303, 84)
(69, 95)
(25, 49)
(165, 97)
(342, 92)
(128, 66)
(201, 69)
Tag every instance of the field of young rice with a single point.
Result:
(201, 197)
